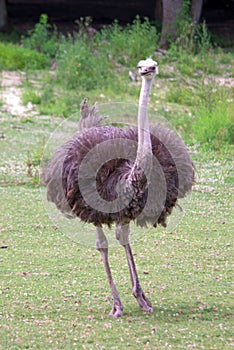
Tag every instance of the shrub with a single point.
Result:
(11, 37)
(194, 38)
(81, 67)
(14, 57)
(193, 45)
(191, 37)
(98, 61)
(42, 38)
(126, 45)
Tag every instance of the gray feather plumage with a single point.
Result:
(89, 116)
(172, 176)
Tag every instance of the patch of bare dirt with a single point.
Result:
(222, 81)
(11, 91)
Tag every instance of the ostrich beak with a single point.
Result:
(148, 70)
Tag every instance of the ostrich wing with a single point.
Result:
(53, 173)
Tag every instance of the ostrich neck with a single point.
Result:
(144, 149)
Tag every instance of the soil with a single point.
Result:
(11, 91)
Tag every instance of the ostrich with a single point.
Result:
(107, 175)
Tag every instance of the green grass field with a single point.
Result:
(54, 292)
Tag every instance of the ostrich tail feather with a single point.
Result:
(89, 116)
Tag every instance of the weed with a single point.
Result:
(42, 38)
(30, 96)
(192, 46)
(58, 105)
(99, 61)
(194, 38)
(96, 64)
(211, 118)
(126, 45)
(12, 37)
(84, 29)
(191, 37)
(34, 161)
(81, 67)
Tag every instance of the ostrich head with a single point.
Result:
(148, 68)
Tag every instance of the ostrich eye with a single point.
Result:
(153, 68)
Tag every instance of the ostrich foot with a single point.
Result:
(143, 301)
(117, 310)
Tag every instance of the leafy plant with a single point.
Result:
(11, 37)
(30, 96)
(99, 62)
(34, 161)
(14, 57)
(191, 37)
(193, 44)
(194, 38)
(79, 66)
(42, 38)
(126, 45)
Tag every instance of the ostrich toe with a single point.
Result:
(143, 302)
(117, 310)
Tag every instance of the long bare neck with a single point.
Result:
(144, 149)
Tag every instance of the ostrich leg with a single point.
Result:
(137, 291)
(122, 234)
(102, 246)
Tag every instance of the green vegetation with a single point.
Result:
(42, 38)
(54, 291)
(193, 38)
(210, 119)
(96, 63)
(14, 57)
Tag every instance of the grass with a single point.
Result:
(54, 292)
(208, 117)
